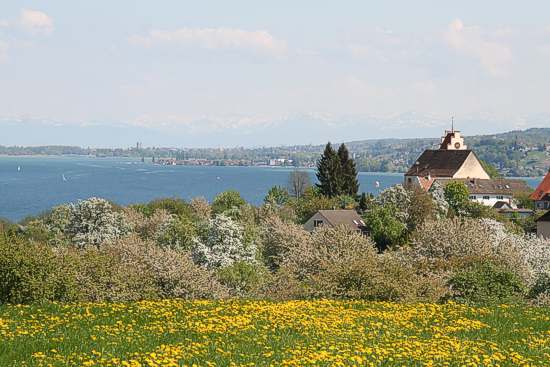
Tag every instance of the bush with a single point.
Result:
(227, 200)
(224, 244)
(277, 237)
(340, 263)
(384, 228)
(93, 222)
(34, 273)
(484, 282)
(172, 272)
(243, 279)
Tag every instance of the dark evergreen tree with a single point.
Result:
(329, 172)
(348, 180)
(363, 203)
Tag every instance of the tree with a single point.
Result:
(329, 172)
(298, 182)
(227, 200)
(349, 183)
(276, 196)
(223, 244)
(384, 228)
(363, 203)
(456, 194)
(490, 169)
(93, 222)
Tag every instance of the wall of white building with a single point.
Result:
(491, 199)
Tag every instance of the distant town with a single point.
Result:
(523, 153)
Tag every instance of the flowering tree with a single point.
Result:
(224, 244)
(93, 222)
(398, 198)
(438, 196)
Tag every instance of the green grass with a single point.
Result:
(258, 333)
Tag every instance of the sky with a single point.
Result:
(255, 73)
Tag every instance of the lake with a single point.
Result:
(43, 182)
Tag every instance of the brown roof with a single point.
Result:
(439, 163)
(499, 186)
(342, 217)
(545, 217)
(542, 190)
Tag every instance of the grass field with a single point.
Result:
(254, 333)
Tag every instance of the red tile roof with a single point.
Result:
(542, 190)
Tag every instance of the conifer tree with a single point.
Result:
(348, 180)
(329, 172)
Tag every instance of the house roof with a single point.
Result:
(439, 163)
(342, 217)
(545, 217)
(542, 190)
(497, 186)
(502, 205)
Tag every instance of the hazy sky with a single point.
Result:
(225, 73)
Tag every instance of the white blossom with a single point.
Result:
(223, 245)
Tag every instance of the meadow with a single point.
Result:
(262, 333)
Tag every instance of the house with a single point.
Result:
(543, 226)
(541, 195)
(510, 211)
(497, 193)
(451, 161)
(335, 218)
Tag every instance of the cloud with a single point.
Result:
(214, 39)
(36, 22)
(495, 57)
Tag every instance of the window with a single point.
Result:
(317, 223)
(486, 197)
(473, 197)
(500, 197)
(409, 180)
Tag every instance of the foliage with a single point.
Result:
(398, 198)
(174, 206)
(349, 183)
(491, 170)
(228, 200)
(276, 196)
(337, 173)
(177, 233)
(242, 278)
(329, 172)
(438, 195)
(457, 196)
(310, 203)
(93, 222)
(223, 245)
(383, 226)
(33, 273)
(483, 282)
(201, 209)
(277, 237)
(422, 208)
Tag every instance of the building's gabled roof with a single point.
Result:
(542, 190)
(439, 163)
(502, 205)
(495, 186)
(545, 217)
(343, 217)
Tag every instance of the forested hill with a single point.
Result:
(515, 153)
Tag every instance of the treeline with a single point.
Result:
(417, 246)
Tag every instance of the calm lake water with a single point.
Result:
(43, 182)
